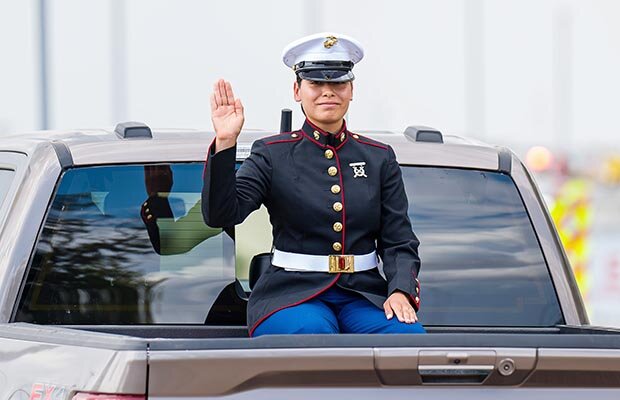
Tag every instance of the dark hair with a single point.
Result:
(299, 84)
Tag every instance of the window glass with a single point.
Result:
(127, 245)
(482, 264)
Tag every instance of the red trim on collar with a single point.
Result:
(322, 132)
(343, 142)
(323, 146)
(313, 140)
(316, 128)
(293, 305)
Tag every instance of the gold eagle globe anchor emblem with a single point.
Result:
(330, 41)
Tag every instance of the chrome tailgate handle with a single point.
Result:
(456, 366)
(454, 374)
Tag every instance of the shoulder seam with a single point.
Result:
(367, 141)
(283, 140)
(381, 146)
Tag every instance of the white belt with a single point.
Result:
(334, 263)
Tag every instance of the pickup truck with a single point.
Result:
(113, 288)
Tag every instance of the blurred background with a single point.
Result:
(538, 76)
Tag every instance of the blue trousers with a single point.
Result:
(334, 311)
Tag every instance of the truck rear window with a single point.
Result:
(127, 245)
(482, 264)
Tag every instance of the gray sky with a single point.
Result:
(513, 72)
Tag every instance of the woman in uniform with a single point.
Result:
(336, 201)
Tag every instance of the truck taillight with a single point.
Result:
(107, 396)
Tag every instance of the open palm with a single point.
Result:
(226, 112)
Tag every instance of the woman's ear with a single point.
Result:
(296, 92)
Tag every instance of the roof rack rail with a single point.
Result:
(420, 133)
(133, 130)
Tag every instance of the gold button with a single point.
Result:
(337, 226)
(294, 135)
(145, 204)
(317, 136)
(149, 216)
(338, 206)
(342, 136)
(332, 171)
(335, 189)
(417, 289)
(356, 136)
(417, 299)
(337, 246)
(329, 154)
(147, 210)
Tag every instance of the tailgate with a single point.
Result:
(337, 367)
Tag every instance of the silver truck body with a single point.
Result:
(174, 362)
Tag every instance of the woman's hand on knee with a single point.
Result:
(398, 304)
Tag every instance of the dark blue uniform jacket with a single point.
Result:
(318, 204)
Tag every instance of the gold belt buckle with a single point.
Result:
(339, 263)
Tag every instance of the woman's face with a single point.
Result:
(324, 102)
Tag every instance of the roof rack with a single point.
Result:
(133, 130)
(420, 133)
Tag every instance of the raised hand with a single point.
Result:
(157, 179)
(226, 115)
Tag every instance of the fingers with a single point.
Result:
(388, 310)
(238, 107)
(223, 95)
(399, 310)
(213, 102)
(221, 84)
(217, 95)
(408, 312)
(403, 310)
(229, 93)
(409, 316)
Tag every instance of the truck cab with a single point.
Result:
(105, 260)
(115, 236)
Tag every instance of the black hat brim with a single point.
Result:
(327, 75)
